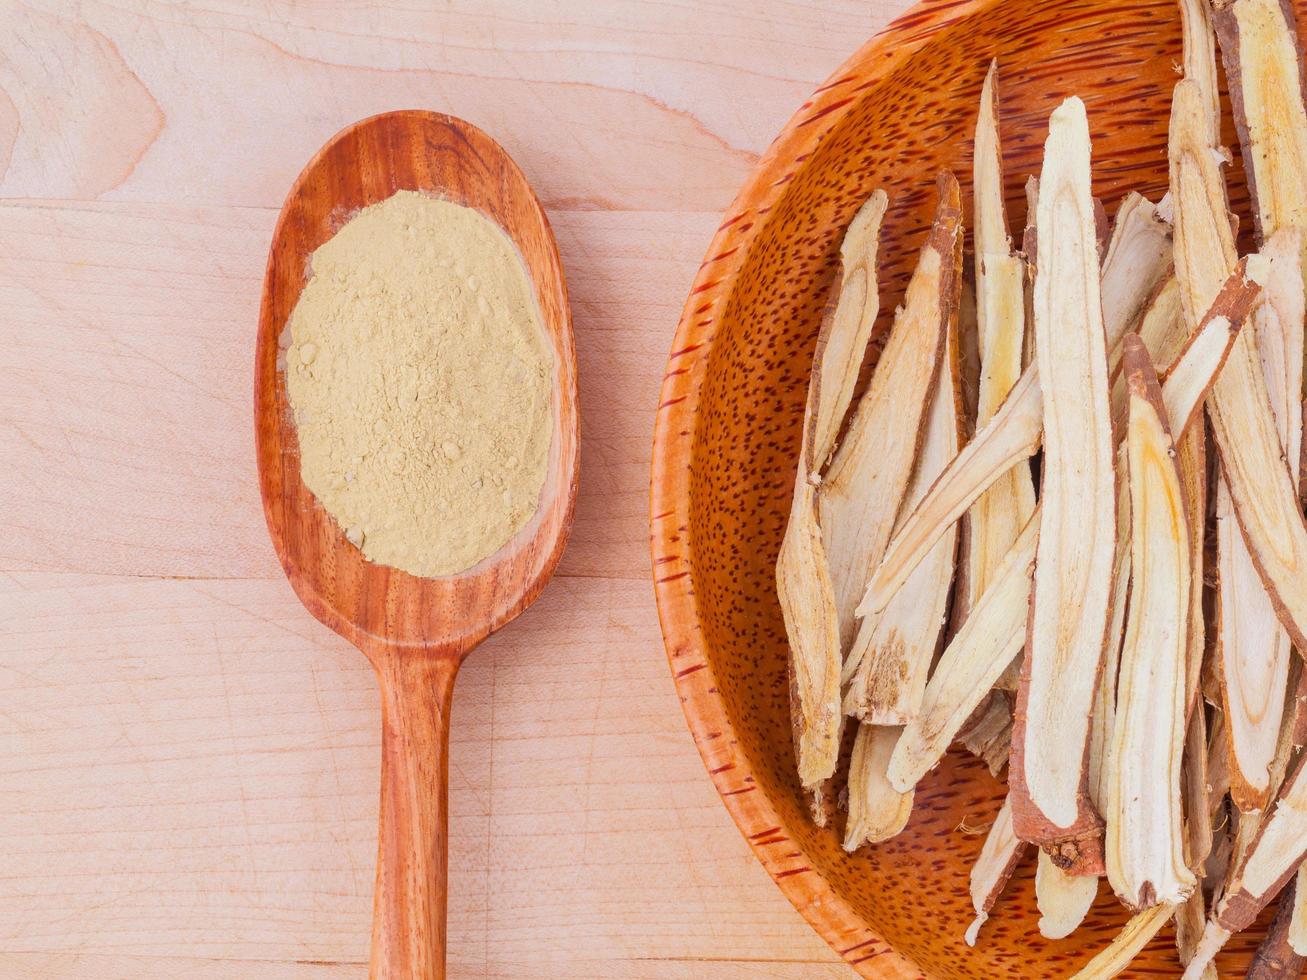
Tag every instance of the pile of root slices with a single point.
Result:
(1064, 527)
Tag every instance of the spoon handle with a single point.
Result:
(408, 913)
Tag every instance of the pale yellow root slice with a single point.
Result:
(1298, 924)
(1072, 589)
(1263, 493)
(1165, 334)
(1195, 371)
(1138, 259)
(860, 496)
(1255, 649)
(988, 732)
(1029, 250)
(877, 811)
(807, 603)
(969, 347)
(997, 517)
(1213, 940)
(1199, 45)
(842, 346)
(1280, 341)
(1163, 330)
(1145, 821)
(1162, 327)
(1104, 713)
(1063, 899)
(991, 230)
(1273, 858)
(1128, 944)
(1190, 917)
(885, 670)
(1254, 654)
(803, 583)
(998, 860)
(1015, 432)
(1011, 436)
(1263, 63)
(986, 644)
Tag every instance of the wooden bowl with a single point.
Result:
(727, 440)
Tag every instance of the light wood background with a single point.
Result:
(188, 761)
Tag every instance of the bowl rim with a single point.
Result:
(674, 433)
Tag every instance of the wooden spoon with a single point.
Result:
(415, 631)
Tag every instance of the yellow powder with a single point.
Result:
(421, 382)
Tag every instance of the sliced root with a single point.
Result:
(1071, 600)
(1138, 260)
(1270, 860)
(1262, 492)
(997, 517)
(1064, 899)
(986, 644)
(1011, 436)
(891, 654)
(1263, 63)
(988, 732)
(1297, 933)
(860, 496)
(1276, 957)
(1137, 934)
(877, 811)
(803, 581)
(998, 860)
(1145, 837)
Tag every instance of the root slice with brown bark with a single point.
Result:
(1012, 435)
(996, 518)
(1145, 832)
(885, 669)
(1276, 957)
(1298, 921)
(1262, 492)
(1272, 858)
(1255, 649)
(1071, 600)
(1263, 63)
(803, 581)
(860, 496)
(999, 857)
(973, 660)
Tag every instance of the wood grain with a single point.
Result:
(188, 762)
(415, 631)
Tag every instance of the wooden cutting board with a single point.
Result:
(188, 761)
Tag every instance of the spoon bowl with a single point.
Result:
(415, 631)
